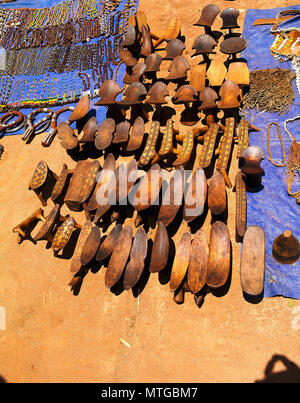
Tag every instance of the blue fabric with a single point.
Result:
(272, 208)
(100, 110)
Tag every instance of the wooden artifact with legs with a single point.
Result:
(41, 177)
(22, 228)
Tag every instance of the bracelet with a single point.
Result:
(31, 128)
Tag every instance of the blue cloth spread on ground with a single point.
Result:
(272, 208)
(100, 111)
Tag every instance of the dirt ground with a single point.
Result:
(51, 335)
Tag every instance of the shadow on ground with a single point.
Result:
(291, 374)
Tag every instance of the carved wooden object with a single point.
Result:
(204, 44)
(103, 179)
(136, 73)
(286, 248)
(45, 231)
(149, 151)
(216, 72)
(181, 261)
(197, 76)
(108, 92)
(81, 109)
(208, 15)
(84, 233)
(160, 249)
(172, 198)
(217, 200)
(135, 266)
(119, 257)
(219, 255)
(173, 31)
(208, 98)
(148, 190)
(186, 149)
(230, 95)
(225, 149)
(104, 134)
(239, 73)
(122, 133)
(178, 68)
(21, 229)
(233, 45)
(89, 131)
(133, 94)
(63, 235)
(153, 63)
(243, 137)
(208, 146)
(252, 272)
(90, 246)
(195, 196)
(136, 135)
(166, 146)
(126, 56)
(157, 94)
(108, 244)
(146, 47)
(81, 184)
(241, 205)
(68, 139)
(174, 48)
(198, 262)
(41, 176)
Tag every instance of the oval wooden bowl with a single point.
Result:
(198, 262)
(252, 272)
(119, 257)
(160, 249)
(181, 261)
(138, 253)
(107, 246)
(219, 255)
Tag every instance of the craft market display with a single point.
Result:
(177, 172)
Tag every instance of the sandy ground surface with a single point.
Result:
(51, 335)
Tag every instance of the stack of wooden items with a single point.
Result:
(207, 89)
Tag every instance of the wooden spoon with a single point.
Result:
(103, 179)
(136, 135)
(217, 200)
(138, 253)
(172, 198)
(181, 261)
(104, 135)
(219, 255)
(84, 233)
(107, 246)
(119, 257)
(195, 196)
(91, 246)
(148, 190)
(198, 262)
(160, 249)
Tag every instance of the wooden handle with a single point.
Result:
(179, 296)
